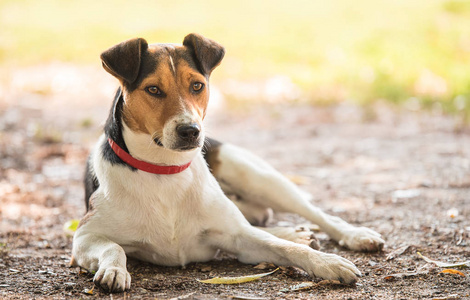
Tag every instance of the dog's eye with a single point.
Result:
(197, 86)
(154, 90)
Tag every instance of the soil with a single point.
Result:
(405, 174)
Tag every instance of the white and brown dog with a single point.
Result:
(153, 194)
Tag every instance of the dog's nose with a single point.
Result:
(188, 132)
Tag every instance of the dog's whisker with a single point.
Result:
(154, 136)
(206, 146)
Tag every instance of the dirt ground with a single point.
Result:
(403, 173)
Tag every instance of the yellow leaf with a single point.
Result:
(236, 280)
(452, 271)
(71, 226)
(444, 264)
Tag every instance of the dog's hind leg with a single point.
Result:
(253, 179)
(259, 215)
(253, 246)
(256, 214)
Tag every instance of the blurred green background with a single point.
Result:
(401, 51)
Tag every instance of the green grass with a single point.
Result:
(366, 49)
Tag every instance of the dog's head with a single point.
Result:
(165, 87)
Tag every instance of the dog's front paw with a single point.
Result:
(113, 279)
(362, 239)
(333, 267)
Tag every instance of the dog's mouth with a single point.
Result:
(185, 146)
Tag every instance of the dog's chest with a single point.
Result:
(174, 239)
(161, 220)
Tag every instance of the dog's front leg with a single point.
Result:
(252, 245)
(97, 253)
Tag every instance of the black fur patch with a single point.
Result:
(113, 130)
(91, 183)
(188, 55)
(150, 61)
(148, 65)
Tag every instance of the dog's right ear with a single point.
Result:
(208, 53)
(123, 60)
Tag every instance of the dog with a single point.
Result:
(156, 187)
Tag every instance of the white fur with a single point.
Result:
(142, 146)
(172, 64)
(181, 218)
(170, 137)
(253, 179)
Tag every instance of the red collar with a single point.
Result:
(145, 166)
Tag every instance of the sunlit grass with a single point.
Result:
(333, 50)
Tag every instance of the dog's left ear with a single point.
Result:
(208, 53)
(123, 60)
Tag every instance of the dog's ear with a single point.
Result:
(208, 53)
(123, 60)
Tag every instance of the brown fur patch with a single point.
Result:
(146, 113)
(73, 262)
(90, 212)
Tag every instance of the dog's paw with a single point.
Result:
(113, 279)
(333, 267)
(362, 239)
(299, 235)
(304, 235)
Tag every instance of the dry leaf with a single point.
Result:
(298, 287)
(264, 266)
(449, 297)
(245, 298)
(444, 264)
(206, 269)
(405, 275)
(452, 271)
(328, 281)
(88, 291)
(397, 252)
(236, 280)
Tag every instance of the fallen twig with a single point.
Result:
(444, 264)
